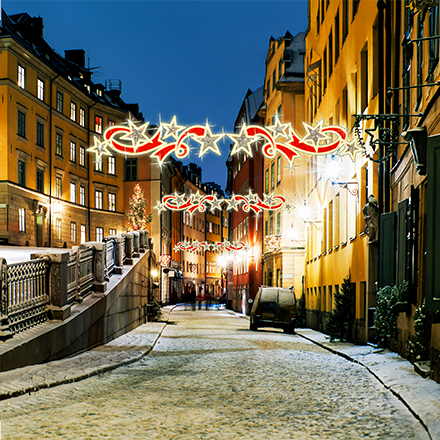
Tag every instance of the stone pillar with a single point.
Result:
(119, 264)
(58, 308)
(98, 264)
(136, 240)
(128, 248)
(143, 241)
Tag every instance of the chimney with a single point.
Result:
(76, 56)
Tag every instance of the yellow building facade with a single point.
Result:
(284, 246)
(52, 191)
(342, 80)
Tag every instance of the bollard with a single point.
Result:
(98, 264)
(136, 235)
(128, 248)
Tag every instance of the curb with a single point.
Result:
(35, 388)
(355, 361)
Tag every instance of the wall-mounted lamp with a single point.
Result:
(418, 141)
(353, 191)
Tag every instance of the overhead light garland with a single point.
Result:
(181, 202)
(134, 138)
(204, 246)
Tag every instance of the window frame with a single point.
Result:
(22, 219)
(59, 101)
(21, 76)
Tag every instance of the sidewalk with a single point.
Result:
(421, 396)
(124, 350)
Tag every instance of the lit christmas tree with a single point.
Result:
(136, 218)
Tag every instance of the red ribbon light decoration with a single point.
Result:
(133, 139)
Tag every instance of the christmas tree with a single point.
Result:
(337, 324)
(136, 218)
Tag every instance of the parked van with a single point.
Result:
(274, 307)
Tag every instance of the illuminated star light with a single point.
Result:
(99, 148)
(252, 198)
(288, 207)
(280, 130)
(161, 207)
(269, 199)
(349, 148)
(216, 203)
(232, 203)
(180, 198)
(208, 142)
(314, 134)
(172, 129)
(196, 198)
(242, 142)
(136, 134)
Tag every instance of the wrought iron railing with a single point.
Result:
(79, 275)
(27, 294)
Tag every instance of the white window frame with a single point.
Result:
(82, 117)
(73, 232)
(98, 199)
(99, 233)
(72, 111)
(72, 151)
(22, 219)
(82, 195)
(58, 229)
(83, 234)
(111, 201)
(21, 80)
(40, 89)
(82, 156)
(111, 165)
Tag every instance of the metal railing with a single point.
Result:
(24, 287)
(27, 291)
(79, 275)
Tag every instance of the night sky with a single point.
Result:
(194, 60)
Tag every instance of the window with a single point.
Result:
(73, 232)
(40, 89)
(21, 125)
(22, 219)
(278, 223)
(21, 76)
(21, 173)
(112, 202)
(272, 176)
(82, 156)
(330, 54)
(72, 151)
(266, 181)
(337, 37)
(99, 164)
(98, 199)
(99, 234)
(58, 187)
(268, 89)
(73, 111)
(278, 170)
(110, 124)
(58, 234)
(82, 117)
(40, 180)
(83, 233)
(59, 102)
(280, 68)
(131, 169)
(59, 144)
(73, 192)
(40, 134)
(111, 168)
(270, 225)
(112, 231)
(82, 195)
(433, 44)
(274, 78)
(345, 21)
(98, 124)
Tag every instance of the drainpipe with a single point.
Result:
(380, 38)
(50, 158)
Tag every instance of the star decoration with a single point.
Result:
(196, 243)
(242, 142)
(99, 148)
(216, 203)
(136, 134)
(215, 247)
(350, 149)
(196, 198)
(172, 129)
(208, 141)
(280, 130)
(180, 198)
(205, 246)
(252, 198)
(269, 199)
(288, 207)
(161, 207)
(291, 167)
(314, 134)
(176, 248)
(232, 203)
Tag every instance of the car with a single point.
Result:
(274, 307)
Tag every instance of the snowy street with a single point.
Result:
(208, 376)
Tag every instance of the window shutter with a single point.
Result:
(403, 247)
(387, 249)
(433, 226)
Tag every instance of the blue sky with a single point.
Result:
(192, 59)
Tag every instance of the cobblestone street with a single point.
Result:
(210, 377)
